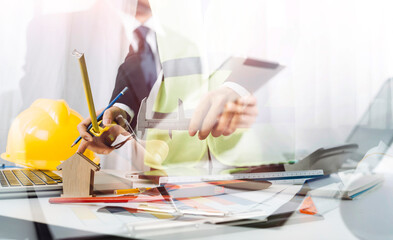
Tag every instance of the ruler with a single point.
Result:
(290, 177)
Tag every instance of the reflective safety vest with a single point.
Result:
(183, 55)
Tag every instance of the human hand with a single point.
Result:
(221, 112)
(102, 144)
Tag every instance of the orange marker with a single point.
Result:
(128, 191)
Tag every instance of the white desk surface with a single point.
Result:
(369, 217)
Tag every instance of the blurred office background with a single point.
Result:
(337, 55)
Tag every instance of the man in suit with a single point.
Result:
(138, 73)
(220, 112)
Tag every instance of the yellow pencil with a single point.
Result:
(86, 85)
(128, 191)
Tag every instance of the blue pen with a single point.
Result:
(99, 118)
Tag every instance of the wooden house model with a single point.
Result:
(78, 176)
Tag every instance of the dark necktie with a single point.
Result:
(138, 73)
(146, 56)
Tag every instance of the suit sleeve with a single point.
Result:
(130, 75)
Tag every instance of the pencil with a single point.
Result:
(86, 85)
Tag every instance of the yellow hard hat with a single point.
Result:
(41, 136)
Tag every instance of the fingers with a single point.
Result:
(82, 129)
(113, 132)
(243, 106)
(112, 114)
(211, 118)
(239, 114)
(108, 117)
(95, 146)
(206, 115)
(100, 148)
(83, 146)
(223, 121)
(198, 115)
(102, 144)
(240, 121)
(121, 121)
(249, 100)
(221, 112)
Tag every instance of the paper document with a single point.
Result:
(257, 205)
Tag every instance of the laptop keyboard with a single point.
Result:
(28, 177)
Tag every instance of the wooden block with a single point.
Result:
(78, 176)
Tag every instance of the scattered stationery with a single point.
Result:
(248, 207)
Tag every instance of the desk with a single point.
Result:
(369, 217)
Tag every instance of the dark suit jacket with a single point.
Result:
(130, 74)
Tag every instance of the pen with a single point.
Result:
(122, 199)
(133, 190)
(102, 113)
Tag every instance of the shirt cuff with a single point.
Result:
(127, 109)
(237, 88)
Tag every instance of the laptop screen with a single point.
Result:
(376, 125)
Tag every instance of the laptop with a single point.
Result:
(376, 124)
(27, 182)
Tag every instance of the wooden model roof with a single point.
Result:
(95, 166)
